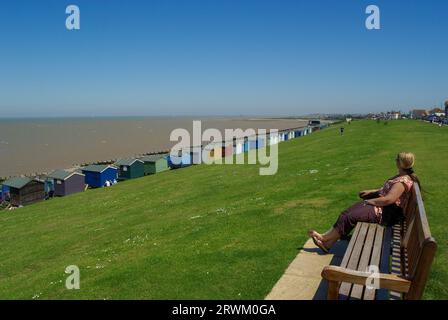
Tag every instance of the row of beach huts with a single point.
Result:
(21, 191)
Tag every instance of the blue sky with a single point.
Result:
(220, 57)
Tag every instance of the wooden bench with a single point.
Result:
(403, 255)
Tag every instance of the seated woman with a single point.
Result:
(383, 206)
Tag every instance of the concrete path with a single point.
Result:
(302, 280)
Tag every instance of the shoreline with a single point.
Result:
(38, 146)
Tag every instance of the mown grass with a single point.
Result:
(215, 232)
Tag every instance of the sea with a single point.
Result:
(31, 146)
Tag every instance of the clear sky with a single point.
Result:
(221, 57)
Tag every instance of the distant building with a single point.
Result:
(435, 111)
(446, 108)
(419, 113)
(393, 115)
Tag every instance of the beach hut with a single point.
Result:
(179, 161)
(24, 191)
(66, 183)
(96, 175)
(155, 163)
(273, 138)
(260, 142)
(252, 142)
(227, 149)
(130, 168)
(281, 137)
(285, 135)
(297, 133)
(246, 145)
(238, 146)
(48, 185)
(4, 190)
(214, 151)
(291, 134)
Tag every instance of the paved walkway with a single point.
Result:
(302, 279)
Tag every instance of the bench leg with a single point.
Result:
(333, 290)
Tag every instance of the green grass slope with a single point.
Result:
(215, 232)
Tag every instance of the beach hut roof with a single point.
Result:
(97, 168)
(17, 182)
(127, 162)
(153, 157)
(62, 174)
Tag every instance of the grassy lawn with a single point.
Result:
(215, 232)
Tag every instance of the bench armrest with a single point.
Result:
(337, 275)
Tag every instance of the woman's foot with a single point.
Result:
(320, 244)
(315, 234)
(328, 244)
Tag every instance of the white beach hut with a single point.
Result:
(238, 146)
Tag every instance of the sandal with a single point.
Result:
(313, 233)
(320, 245)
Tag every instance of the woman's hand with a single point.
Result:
(364, 194)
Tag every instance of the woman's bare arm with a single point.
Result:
(363, 194)
(390, 198)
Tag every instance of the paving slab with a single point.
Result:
(302, 279)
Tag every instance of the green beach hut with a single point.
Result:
(155, 163)
(130, 168)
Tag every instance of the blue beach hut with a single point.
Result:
(97, 175)
(246, 145)
(4, 190)
(260, 142)
(285, 136)
(179, 161)
(252, 144)
(273, 138)
(297, 133)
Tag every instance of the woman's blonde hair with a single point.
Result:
(406, 160)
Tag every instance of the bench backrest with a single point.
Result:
(418, 246)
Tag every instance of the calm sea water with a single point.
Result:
(41, 145)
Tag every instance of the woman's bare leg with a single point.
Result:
(331, 235)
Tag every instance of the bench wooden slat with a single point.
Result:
(369, 294)
(355, 255)
(349, 249)
(369, 245)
